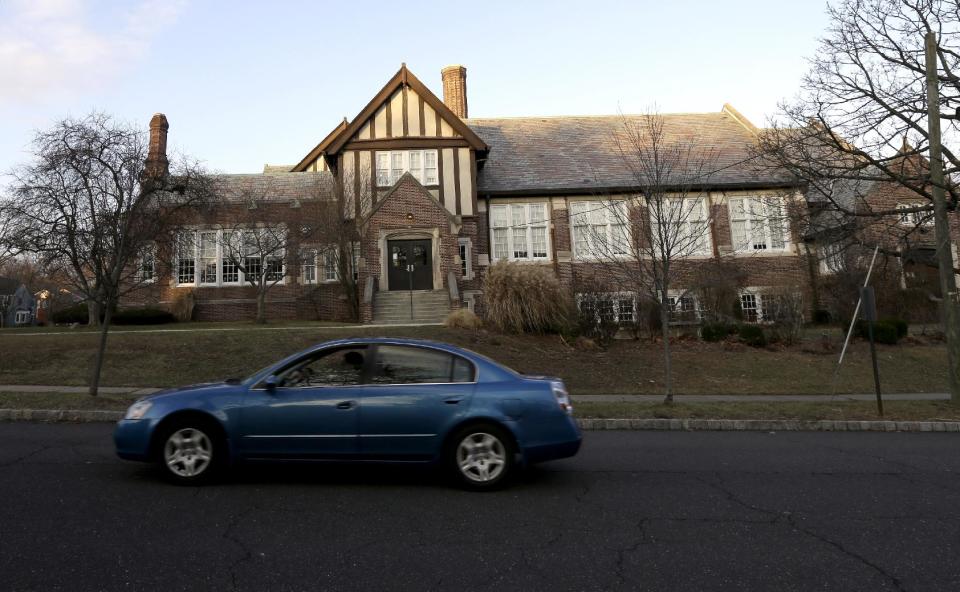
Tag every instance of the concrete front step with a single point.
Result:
(429, 306)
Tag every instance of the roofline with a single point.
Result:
(550, 192)
(404, 76)
(319, 149)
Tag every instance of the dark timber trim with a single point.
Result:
(389, 108)
(387, 91)
(373, 178)
(318, 151)
(412, 142)
(442, 197)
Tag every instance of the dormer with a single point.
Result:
(406, 128)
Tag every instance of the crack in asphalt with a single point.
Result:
(791, 520)
(229, 536)
(848, 552)
(19, 459)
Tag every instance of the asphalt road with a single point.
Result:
(635, 510)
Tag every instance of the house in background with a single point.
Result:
(17, 304)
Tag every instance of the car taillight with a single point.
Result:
(563, 399)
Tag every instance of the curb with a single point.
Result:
(766, 425)
(676, 425)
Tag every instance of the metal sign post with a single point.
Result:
(869, 308)
(410, 277)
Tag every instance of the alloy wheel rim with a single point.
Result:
(188, 452)
(481, 457)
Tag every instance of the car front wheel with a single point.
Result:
(189, 452)
(481, 457)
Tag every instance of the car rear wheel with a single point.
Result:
(481, 457)
(190, 452)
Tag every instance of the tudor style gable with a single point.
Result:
(405, 128)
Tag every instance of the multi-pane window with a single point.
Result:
(680, 227)
(208, 257)
(610, 307)
(308, 266)
(229, 270)
(768, 308)
(147, 264)
(684, 309)
(324, 261)
(924, 218)
(832, 257)
(22, 317)
(215, 257)
(466, 265)
(519, 231)
(391, 165)
(600, 228)
(758, 224)
(186, 257)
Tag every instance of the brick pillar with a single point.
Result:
(157, 164)
(455, 89)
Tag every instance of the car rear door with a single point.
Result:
(312, 413)
(413, 394)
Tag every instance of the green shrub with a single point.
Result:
(752, 335)
(716, 331)
(883, 332)
(526, 299)
(142, 316)
(822, 317)
(900, 324)
(72, 314)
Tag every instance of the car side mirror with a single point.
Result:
(270, 383)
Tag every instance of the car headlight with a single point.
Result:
(138, 410)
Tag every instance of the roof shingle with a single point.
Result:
(581, 155)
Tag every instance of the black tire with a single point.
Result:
(488, 465)
(202, 451)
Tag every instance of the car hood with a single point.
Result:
(192, 389)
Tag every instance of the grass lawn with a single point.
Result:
(895, 410)
(162, 359)
(844, 410)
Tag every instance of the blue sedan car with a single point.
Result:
(389, 400)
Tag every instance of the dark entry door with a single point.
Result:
(406, 253)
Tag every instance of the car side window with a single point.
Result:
(396, 364)
(340, 367)
(462, 370)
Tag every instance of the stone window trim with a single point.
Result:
(22, 317)
(756, 302)
(191, 238)
(525, 228)
(765, 229)
(684, 302)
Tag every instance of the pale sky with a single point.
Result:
(247, 83)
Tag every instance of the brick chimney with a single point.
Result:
(157, 164)
(455, 89)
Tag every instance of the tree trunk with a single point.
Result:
(101, 351)
(667, 368)
(93, 313)
(261, 307)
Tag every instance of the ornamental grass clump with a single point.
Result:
(523, 298)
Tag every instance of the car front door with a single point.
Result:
(310, 411)
(412, 395)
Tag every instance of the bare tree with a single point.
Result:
(638, 240)
(87, 207)
(862, 117)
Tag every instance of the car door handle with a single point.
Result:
(346, 404)
(453, 400)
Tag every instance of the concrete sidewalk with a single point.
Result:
(142, 391)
